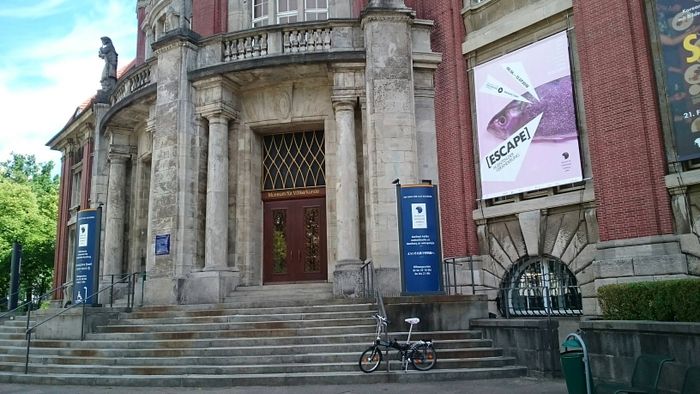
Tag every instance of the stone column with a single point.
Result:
(216, 232)
(346, 276)
(347, 202)
(114, 215)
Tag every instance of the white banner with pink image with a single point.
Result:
(526, 120)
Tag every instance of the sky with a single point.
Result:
(49, 65)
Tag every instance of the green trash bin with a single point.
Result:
(573, 366)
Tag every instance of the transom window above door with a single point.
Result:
(267, 12)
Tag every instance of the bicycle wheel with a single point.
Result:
(370, 359)
(424, 356)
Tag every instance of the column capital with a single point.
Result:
(344, 103)
(218, 110)
(118, 157)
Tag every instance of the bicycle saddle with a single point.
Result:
(412, 320)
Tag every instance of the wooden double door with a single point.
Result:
(294, 240)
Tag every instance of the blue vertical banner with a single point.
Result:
(87, 256)
(419, 237)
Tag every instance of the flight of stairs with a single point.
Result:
(271, 335)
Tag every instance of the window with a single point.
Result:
(260, 13)
(315, 10)
(288, 11)
(294, 160)
(540, 286)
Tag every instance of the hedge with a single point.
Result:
(667, 300)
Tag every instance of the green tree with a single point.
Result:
(28, 211)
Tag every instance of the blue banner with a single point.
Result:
(86, 268)
(419, 237)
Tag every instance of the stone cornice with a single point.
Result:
(216, 81)
(387, 15)
(176, 38)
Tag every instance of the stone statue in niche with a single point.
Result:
(172, 18)
(109, 72)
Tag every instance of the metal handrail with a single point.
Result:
(367, 273)
(126, 278)
(31, 301)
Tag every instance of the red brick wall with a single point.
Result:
(209, 17)
(624, 134)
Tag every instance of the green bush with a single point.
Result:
(668, 300)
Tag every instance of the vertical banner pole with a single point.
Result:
(14, 274)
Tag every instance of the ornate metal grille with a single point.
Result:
(293, 160)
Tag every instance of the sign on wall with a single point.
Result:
(678, 27)
(162, 244)
(87, 257)
(419, 237)
(526, 120)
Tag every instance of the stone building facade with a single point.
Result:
(263, 140)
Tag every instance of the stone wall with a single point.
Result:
(437, 313)
(614, 345)
(533, 342)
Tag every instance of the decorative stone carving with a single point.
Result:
(109, 72)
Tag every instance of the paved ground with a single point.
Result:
(492, 386)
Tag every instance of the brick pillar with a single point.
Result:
(622, 119)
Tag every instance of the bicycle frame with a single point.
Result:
(405, 349)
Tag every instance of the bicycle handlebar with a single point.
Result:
(381, 319)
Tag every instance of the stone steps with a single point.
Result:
(251, 339)
(284, 379)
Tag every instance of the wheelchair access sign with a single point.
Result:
(419, 237)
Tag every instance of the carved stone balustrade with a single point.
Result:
(307, 37)
(307, 40)
(135, 80)
(239, 48)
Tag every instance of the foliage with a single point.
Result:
(28, 211)
(668, 300)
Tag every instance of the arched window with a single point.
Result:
(539, 286)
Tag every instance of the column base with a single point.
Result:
(208, 286)
(347, 279)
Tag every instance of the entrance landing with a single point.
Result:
(281, 294)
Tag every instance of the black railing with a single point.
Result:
(451, 283)
(28, 304)
(534, 295)
(367, 273)
(540, 301)
(370, 289)
(128, 279)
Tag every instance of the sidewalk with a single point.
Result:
(491, 386)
